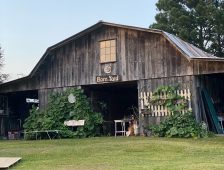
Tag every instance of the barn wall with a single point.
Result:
(23, 84)
(152, 84)
(140, 55)
(44, 95)
(184, 82)
(207, 67)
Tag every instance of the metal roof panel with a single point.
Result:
(190, 50)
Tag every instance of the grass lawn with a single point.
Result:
(109, 153)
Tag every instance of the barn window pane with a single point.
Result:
(103, 58)
(107, 51)
(112, 50)
(113, 43)
(113, 57)
(102, 44)
(107, 43)
(102, 51)
(107, 57)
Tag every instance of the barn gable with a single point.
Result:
(140, 55)
(186, 49)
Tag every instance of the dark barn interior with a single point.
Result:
(115, 100)
(15, 110)
(214, 85)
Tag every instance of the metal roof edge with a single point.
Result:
(15, 80)
(175, 45)
(209, 59)
(189, 50)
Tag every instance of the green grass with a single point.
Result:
(109, 153)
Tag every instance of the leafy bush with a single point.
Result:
(59, 109)
(180, 125)
(181, 122)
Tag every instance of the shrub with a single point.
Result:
(180, 125)
(181, 122)
(59, 109)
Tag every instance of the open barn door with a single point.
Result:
(211, 112)
(116, 101)
(14, 109)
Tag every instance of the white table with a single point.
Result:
(122, 131)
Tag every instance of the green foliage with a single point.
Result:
(181, 123)
(168, 97)
(59, 109)
(200, 22)
(111, 153)
(3, 77)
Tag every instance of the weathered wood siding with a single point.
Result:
(149, 85)
(140, 55)
(207, 67)
(184, 82)
(23, 84)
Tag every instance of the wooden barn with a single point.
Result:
(119, 65)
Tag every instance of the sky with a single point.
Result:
(29, 27)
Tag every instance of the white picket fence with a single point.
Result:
(159, 110)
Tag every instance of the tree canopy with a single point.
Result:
(200, 22)
(3, 77)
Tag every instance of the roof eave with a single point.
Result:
(208, 59)
(16, 80)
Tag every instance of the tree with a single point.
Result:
(200, 22)
(3, 77)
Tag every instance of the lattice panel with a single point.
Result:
(159, 110)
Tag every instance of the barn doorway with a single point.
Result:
(14, 109)
(115, 101)
(213, 85)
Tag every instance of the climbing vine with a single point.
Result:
(59, 109)
(181, 122)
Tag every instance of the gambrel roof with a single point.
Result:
(188, 50)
